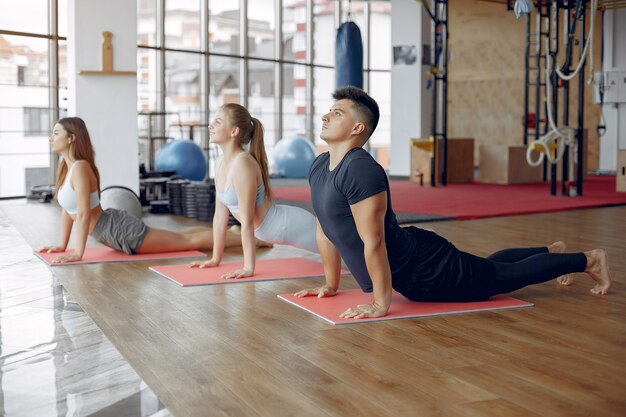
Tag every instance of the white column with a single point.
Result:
(107, 103)
(410, 100)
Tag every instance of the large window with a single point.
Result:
(189, 62)
(380, 36)
(294, 100)
(199, 74)
(324, 84)
(294, 30)
(28, 16)
(224, 26)
(261, 28)
(27, 107)
(261, 93)
(182, 24)
(147, 23)
(36, 121)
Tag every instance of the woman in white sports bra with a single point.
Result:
(242, 187)
(78, 193)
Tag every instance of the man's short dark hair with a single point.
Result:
(365, 106)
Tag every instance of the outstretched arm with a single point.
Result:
(332, 267)
(369, 217)
(245, 184)
(66, 231)
(220, 224)
(80, 181)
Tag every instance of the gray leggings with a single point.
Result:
(289, 225)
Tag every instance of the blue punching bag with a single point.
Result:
(348, 56)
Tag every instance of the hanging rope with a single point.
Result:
(556, 138)
(588, 46)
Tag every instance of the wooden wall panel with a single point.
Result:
(485, 96)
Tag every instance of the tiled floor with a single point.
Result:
(54, 360)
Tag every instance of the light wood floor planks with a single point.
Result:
(237, 350)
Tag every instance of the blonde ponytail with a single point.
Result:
(250, 132)
(257, 150)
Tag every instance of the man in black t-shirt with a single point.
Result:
(348, 190)
(355, 221)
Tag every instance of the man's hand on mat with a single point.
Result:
(240, 273)
(51, 249)
(364, 310)
(66, 258)
(206, 264)
(323, 291)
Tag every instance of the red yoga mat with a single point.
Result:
(102, 255)
(265, 270)
(329, 308)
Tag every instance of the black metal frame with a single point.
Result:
(439, 83)
(543, 13)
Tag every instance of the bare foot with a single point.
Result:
(598, 269)
(561, 247)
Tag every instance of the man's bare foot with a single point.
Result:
(598, 269)
(561, 247)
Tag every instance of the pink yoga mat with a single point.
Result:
(265, 270)
(102, 255)
(329, 308)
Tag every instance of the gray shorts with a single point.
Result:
(120, 231)
(289, 225)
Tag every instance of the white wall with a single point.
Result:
(614, 114)
(410, 101)
(107, 103)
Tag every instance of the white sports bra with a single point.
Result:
(229, 197)
(67, 196)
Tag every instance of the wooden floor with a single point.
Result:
(237, 350)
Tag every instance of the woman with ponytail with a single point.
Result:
(78, 193)
(242, 187)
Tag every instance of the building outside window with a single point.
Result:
(188, 73)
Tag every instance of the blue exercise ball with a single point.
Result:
(293, 157)
(184, 157)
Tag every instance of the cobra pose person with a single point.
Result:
(242, 187)
(78, 193)
(352, 202)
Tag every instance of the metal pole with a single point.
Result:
(278, 71)
(581, 107)
(243, 51)
(553, 80)
(444, 99)
(53, 64)
(433, 77)
(310, 124)
(205, 83)
(566, 70)
(526, 78)
(160, 62)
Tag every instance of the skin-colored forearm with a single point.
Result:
(378, 268)
(66, 229)
(330, 259)
(82, 231)
(220, 224)
(248, 245)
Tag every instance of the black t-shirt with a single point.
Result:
(357, 177)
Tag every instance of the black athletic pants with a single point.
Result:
(517, 268)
